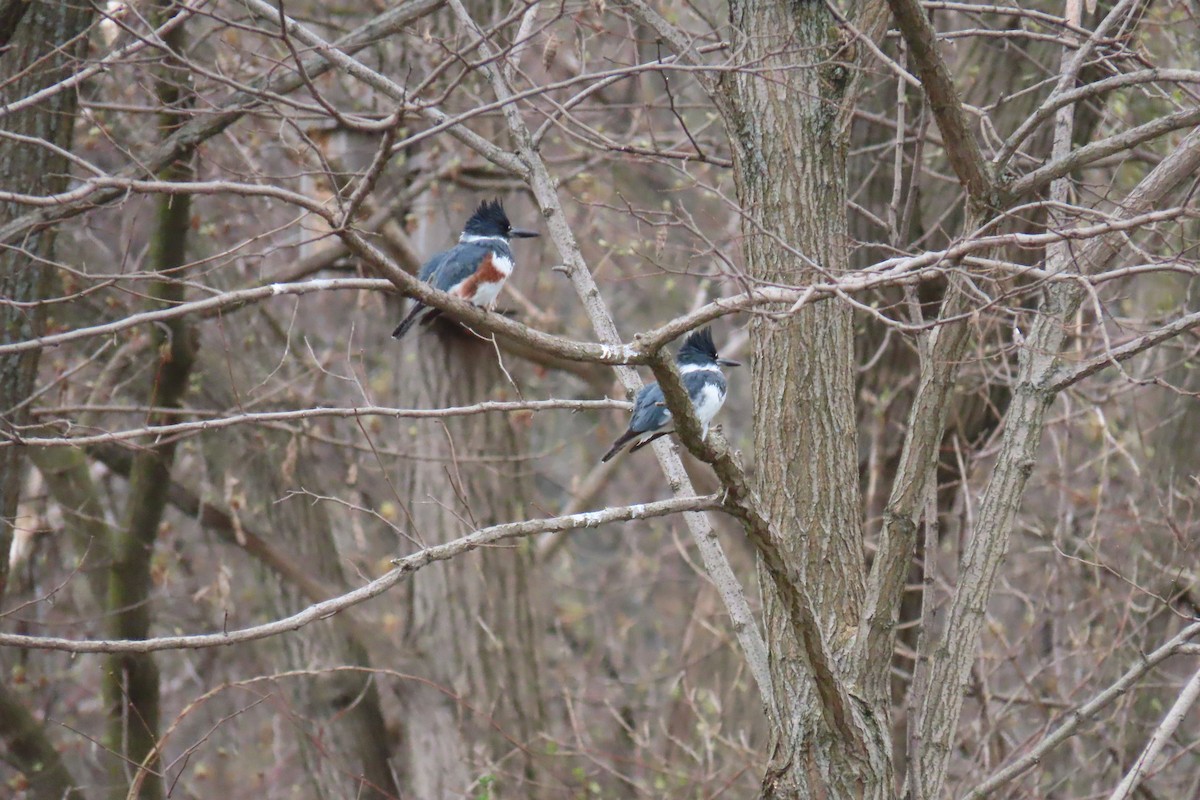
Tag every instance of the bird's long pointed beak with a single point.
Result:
(728, 362)
(522, 233)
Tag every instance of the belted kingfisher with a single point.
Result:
(700, 369)
(475, 268)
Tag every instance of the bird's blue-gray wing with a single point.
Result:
(649, 410)
(460, 263)
(432, 265)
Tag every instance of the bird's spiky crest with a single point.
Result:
(698, 348)
(488, 220)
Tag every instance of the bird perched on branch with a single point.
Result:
(475, 268)
(700, 369)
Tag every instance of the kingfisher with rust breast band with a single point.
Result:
(700, 370)
(474, 269)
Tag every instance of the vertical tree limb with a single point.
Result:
(786, 126)
(939, 364)
(131, 685)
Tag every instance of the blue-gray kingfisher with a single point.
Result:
(475, 268)
(700, 369)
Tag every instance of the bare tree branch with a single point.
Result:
(955, 653)
(741, 502)
(1094, 151)
(340, 57)
(1059, 100)
(1085, 713)
(1070, 73)
(1162, 734)
(930, 265)
(7, 439)
(205, 127)
(186, 11)
(1069, 375)
(404, 567)
(961, 147)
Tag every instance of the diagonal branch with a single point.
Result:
(404, 568)
(186, 11)
(333, 55)
(1070, 375)
(1126, 140)
(1068, 76)
(740, 501)
(961, 147)
(1162, 735)
(1085, 713)
(683, 47)
(1087, 91)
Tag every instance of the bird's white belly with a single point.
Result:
(487, 293)
(709, 403)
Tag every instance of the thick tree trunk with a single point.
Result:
(472, 618)
(25, 276)
(45, 34)
(789, 144)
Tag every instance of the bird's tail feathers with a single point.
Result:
(413, 317)
(618, 444)
(648, 440)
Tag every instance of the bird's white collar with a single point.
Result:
(687, 368)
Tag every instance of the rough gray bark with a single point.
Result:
(789, 143)
(24, 274)
(30, 33)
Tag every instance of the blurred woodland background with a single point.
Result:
(952, 511)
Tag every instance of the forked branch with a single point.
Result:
(961, 148)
